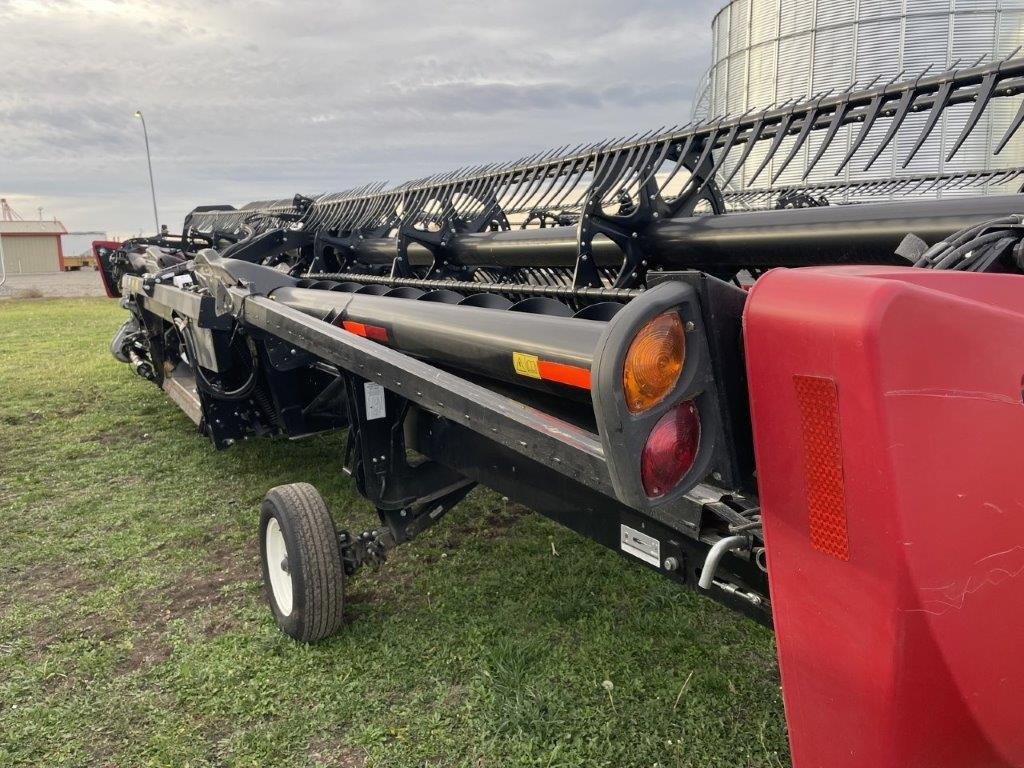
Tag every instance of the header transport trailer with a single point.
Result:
(811, 414)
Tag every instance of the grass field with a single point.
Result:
(133, 630)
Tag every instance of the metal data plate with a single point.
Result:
(375, 408)
(640, 545)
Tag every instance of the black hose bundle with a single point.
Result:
(993, 246)
(202, 380)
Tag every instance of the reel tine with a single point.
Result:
(810, 118)
(520, 180)
(573, 178)
(1014, 126)
(558, 182)
(939, 103)
(632, 164)
(666, 140)
(569, 174)
(730, 141)
(624, 165)
(518, 177)
(684, 152)
(527, 187)
(537, 180)
(985, 90)
(750, 142)
(644, 164)
(842, 109)
(870, 116)
(780, 134)
(902, 110)
(595, 163)
(561, 186)
(603, 167)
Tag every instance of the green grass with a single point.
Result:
(133, 630)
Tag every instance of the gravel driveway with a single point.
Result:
(53, 284)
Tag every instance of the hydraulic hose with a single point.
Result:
(239, 393)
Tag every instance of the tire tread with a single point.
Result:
(323, 574)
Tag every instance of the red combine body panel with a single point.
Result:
(887, 417)
(108, 245)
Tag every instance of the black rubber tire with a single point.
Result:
(314, 562)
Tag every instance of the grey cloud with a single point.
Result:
(263, 98)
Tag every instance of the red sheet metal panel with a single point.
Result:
(112, 291)
(908, 653)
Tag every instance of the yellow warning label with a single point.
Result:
(526, 365)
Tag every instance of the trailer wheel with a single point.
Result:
(301, 562)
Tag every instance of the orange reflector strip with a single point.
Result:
(535, 368)
(818, 400)
(374, 332)
(572, 375)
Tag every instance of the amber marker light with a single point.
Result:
(654, 361)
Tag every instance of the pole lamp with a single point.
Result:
(149, 162)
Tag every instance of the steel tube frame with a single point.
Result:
(572, 451)
(473, 339)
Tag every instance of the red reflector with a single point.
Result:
(818, 400)
(374, 332)
(572, 375)
(670, 450)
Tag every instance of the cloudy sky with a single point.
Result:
(247, 99)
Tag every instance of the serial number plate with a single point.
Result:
(640, 545)
(374, 394)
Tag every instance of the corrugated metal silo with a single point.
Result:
(766, 52)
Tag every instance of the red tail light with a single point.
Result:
(670, 449)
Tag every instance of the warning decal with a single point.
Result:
(526, 365)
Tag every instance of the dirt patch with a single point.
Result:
(71, 411)
(14, 420)
(501, 519)
(40, 582)
(357, 598)
(46, 583)
(182, 599)
(225, 565)
(150, 613)
(331, 751)
(147, 652)
(493, 525)
(114, 436)
(197, 591)
(34, 417)
(456, 695)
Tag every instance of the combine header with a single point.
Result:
(830, 449)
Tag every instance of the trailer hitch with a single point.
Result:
(368, 547)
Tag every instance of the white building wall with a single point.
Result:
(29, 254)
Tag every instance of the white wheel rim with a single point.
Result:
(277, 556)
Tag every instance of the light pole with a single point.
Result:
(149, 162)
